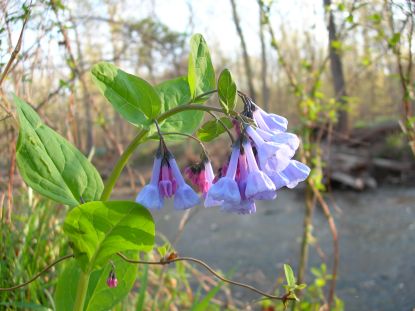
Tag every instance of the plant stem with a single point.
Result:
(122, 161)
(119, 166)
(81, 291)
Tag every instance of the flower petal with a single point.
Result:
(185, 197)
(150, 197)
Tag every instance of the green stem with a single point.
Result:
(122, 161)
(81, 291)
(119, 166)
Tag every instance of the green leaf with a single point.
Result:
(201, 75)
(101, 229)
(134, 98)
(289, 275)
(204, 304)
(173, 93)
(50, 164)
(99, 296)
(212, 129)
(143, 289)
(394, 40)
(375, 18)
(320, 282)
(227, 91)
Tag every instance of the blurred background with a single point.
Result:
(340, 71)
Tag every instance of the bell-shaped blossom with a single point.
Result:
(246, 206)
(284, 138)
(269, 121)
(201, 175)
(294, 173)
(226, 190)
(271, 155)
(258, 185)
(150, 195)
(185, 197)
(112, 281)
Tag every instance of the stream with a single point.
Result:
(376, 234)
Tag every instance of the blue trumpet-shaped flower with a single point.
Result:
(167, 181)
(258, 185)
(271, 156)
(185, 197)
(150, 195)
(226, 190)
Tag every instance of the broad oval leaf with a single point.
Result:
(173, 93)
(213, 128)
(227, 90)
(201, 74)
(101, 229)
(50, 164)
(134, 98)
(99, 296)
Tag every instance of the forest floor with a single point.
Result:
(377, 238)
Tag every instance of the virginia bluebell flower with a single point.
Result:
(271, 155)
(258, 185)
(167, 181)
(269, 121)
(246, 206)
(150, 195)
(201, 175)
(185, 197)
(226, 190)
(295, 173)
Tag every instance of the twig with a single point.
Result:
(37, 275)
(188, 136)
(333, 229)
(223, 125)
(207, 267)
(15, 51)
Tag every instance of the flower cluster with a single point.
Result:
(261, 162)
(166, 182)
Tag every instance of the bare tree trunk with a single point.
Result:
(247, 63)
(337, 72)
(265, 90)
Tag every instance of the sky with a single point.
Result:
(214, 19)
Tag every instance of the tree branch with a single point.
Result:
(167, 261)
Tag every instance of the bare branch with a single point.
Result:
(37, 275)
(207, 267)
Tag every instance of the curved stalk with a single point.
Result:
(122, 161)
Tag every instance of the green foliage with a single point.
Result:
(205, 303)
(173, 93)
(201, 74)
(33, 242)
(99, 296)
(289, 275)
(227, 91)
(213, 128)
(101, 229)
(394, 40)
(291, 286)
(50, 164)
(134, 98)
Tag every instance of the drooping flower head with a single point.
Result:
(167, 182)
(112, 279)
(261, 162)
(226, 190)
(201, 174)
